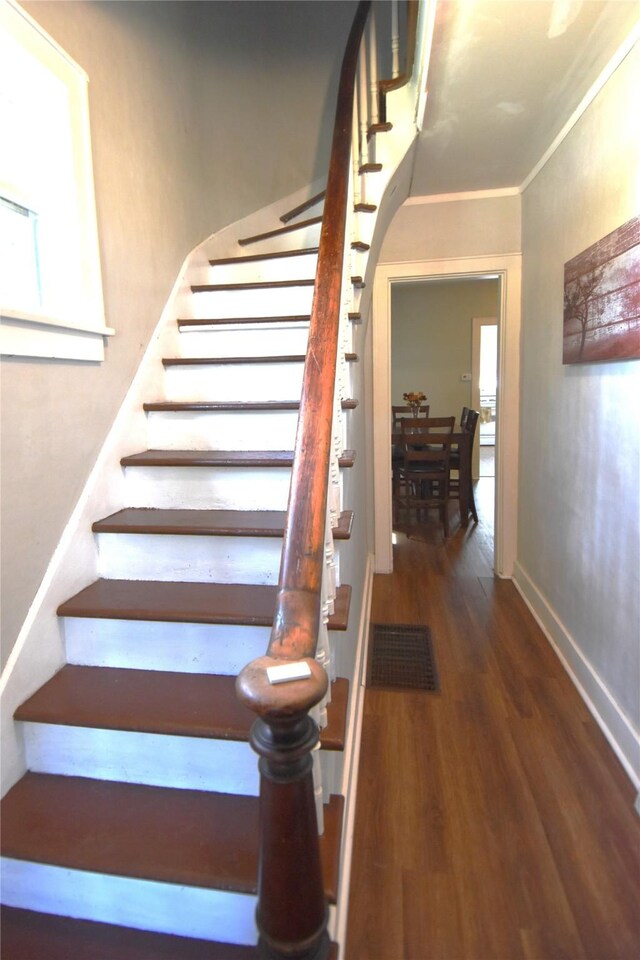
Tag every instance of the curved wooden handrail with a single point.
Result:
(292, 911)
(297, 620)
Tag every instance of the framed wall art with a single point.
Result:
(602, 299)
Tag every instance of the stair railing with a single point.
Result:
(292, 911)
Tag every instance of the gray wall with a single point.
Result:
(452, 229)
(431, 339)
(580, 430)
(200, 114)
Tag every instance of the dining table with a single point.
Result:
(462, 440)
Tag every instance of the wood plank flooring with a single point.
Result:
(493, 820)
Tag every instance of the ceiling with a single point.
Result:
(504, 78)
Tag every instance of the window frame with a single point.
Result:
(80, 334)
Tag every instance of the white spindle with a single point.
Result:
(363, 110)
(330, 565)
(395, 40)
(355, 151)
(317, 787)
(373, 68)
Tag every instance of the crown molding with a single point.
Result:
(466, 195)
(619, 56)
(621, 53)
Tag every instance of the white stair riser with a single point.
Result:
(186, 763)
(222, 430)
(237, 381)
(245, 340)
(280, 301)
(293, 239)
(160, 645)
(208, 488)
(299, 267)
(189, 558)
(142, 904)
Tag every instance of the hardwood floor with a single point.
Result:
(493, 820)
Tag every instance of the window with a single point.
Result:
(20, 274)
(50, 286)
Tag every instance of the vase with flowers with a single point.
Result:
(414, 399)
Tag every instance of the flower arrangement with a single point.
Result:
(414, 398)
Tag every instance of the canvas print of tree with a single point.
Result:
(602, 299)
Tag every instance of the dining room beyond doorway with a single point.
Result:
(435, 324)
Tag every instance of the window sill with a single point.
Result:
(24, 334)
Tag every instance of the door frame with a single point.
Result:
(508, 270)
(476, 334)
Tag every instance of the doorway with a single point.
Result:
(507, 268)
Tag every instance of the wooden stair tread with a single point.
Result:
(220, 458)
(226, 523)
(208, 840)
(289, 228)
(378, 128)
(235, 603)
(360, 245)
(251, 285)
(28, 935)
(152, 701)
(311, 202)
(228, 321)
(365, 207)
(229, 405)
(226, 361)
(370, 168)
(257, 257)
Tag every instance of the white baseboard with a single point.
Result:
(352, 761)
(616, 726)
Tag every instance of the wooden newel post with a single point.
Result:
(292, 910)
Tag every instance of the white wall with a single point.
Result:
(196, 121)
(431, 327)
(579, 544)
(453, 228)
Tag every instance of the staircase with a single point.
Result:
(135, 831)
(139, 807)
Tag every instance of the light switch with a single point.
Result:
(466, 377)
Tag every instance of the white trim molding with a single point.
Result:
(463, 195)
(615, 725)
(621, 53)
(25, 334)
(44, 113)
(623, 50)
(508, 269)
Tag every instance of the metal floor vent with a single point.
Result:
(402, 658)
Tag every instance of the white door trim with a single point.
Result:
(508, 269)
(476, 324)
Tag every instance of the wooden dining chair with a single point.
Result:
(440, 424)
(461, 461)
(423, 478)
(398, 414)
